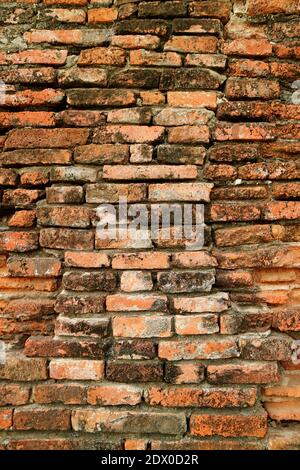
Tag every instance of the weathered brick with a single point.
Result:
(34, 267)
(102, 56)
(132, 326)
(141, 261)
(134, 371)
(76, 369)
(67, 216)
(213, 303)
(237, 88)
(41, 419)
(88, 327)
(256, 7)
(192, 99)
(76, 76)
(180, 192)
(243, 373)
(80, 304)
(133, 302)
(89, 281)
(64, 194)
(198, 349)
(184, 373)
(133, 281)
(40, 138)
(218, 9)
(84, 38)
(90, 420)
(106, 192)
(162, 9)
(112, 394)
(14, 395)
(136, 172)
(244, 424)
(43, 346)
(35, 157)
(159, 59)
(201, 397)
(62, 239)
(94, 97)
(70, 394)
(127, 133)
(19, 241)
(185, 281)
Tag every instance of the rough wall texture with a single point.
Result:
(117, 344)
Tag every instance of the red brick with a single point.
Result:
(189, 135)
(41, 419)
(136, 42)
(91, 420)
(248, 47)
(126, 133)
(244, 131)
(123, 302)
(102, 56)
(184, 373)
(6, 416)
(95, 97)
(237, 88)
(22, 218)
(44, 75)
(21, 369)
(67, 216)
(192, 99)
(112, 394)
(217, 8)
(131, 326)
(21, 197)
(180, 192)
(40, 138)
(13, 395)
(133, 172)
(71, 394)
(198, 349)
(34, 267)
(102, 15)
(43, 346)
(201, 397)
(134, 371)
(35, 157)
(83, 38)
(19, 241)
(85, 259)
(191, 44)
(35, 56)
(229, 424)
(8, 177)
(159, 59)
(62, 239)
(64, 15)
(243, 373)
(263, 7)
(141, 261)
(284, 410)
(76, 369)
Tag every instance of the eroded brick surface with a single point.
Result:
(139, 343)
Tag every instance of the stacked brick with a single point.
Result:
(142, 344)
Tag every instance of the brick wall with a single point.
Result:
(130, 343)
